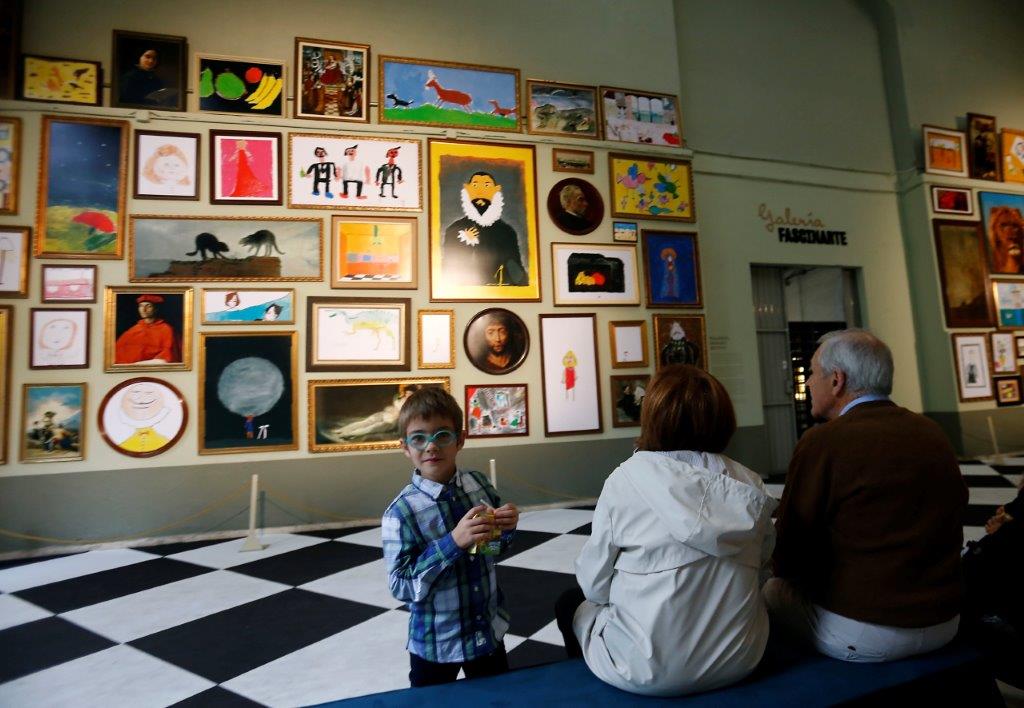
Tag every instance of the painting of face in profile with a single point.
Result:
(496, 341)
(143, 417)
(575, 206)
(60, 339)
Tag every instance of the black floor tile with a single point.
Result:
(14, 563)
(322, 533)
(1008, 469)
(530, 596)
(978, 514)
(525, 540)
(216, 697)
(531, 653)
(309, 563)
(582, 530)
(38, 645)
(168, 549)
(986, 480)
(354, 529)
(585, 507)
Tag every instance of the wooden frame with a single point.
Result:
(10, 163)
(594, 274)
(945, 151)
(52, 416)
(245, 306)
(252, 169)
(952, 200)
(62, 284)
(357, 334)
(1004, 353)
(435, 341)
(489, 349)
(250, 87)
(633, 178)
(570, 373)
(142, 417)
(6, 332)
(971, 359)
(166, 165)
(626, 404)
(363, 412)
(374, 252)
(497, 410)
(566, 160)
(14, 248)
(248, 392)
(625, 231)
(565, 110)
(1019, 338)
(1002, 215)
(1012, 155)
(60, 80)
(628, 344)
(126, 337)
(963, 273)
(672, 269)
(161, 84)
(1008, 300)
(1008, 390)
(576, 222)
(316, 85)
(982, 147)
(672, 335)
(59, 338)
(630, 116)
(70, 230)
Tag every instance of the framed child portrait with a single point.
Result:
(374, 253)
(245, 167)
(680, 339)
(10, 160)
(628, 344)
(671, 269)
(63, 284)
(627, 396)
(982, 147)
(59, 337)
(594, 274)
(569, 370)
(357, 334)
(150, 71)
(496, 410)
(435, 345)
(222, 306)
(970, 355)
(648, 187)
(147, 329)
(945, 151)
(496, 341)
(14, 247)
(59, 80)
(166, 165)
(142, 417)
(332, 80)
(52, 417)
(1008, 391)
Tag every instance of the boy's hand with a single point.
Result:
(469, 530)
(506, 517)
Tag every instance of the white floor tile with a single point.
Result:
(365, 583)
(1013, 461)
(974, 470)
(229, 553)
(512, 641)
(549, 634)
(775, 490)
(973, 533)
(556, 555)
(555, 520)
(118, 676)
(44, 572)
(369, 537)
(1014, 479)
(15, 611)
(143, 613)
(991, 495)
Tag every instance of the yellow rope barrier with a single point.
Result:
(552, 492)
(305, 507)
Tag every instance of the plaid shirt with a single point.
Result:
(456, 611)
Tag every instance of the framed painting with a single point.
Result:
(565, 160)
(496, 411)
(648, 187)
(6, 329)
(360, 414)
(963, 273)
(187, 249)
(569, 371)
(1012, 154)
(51, 422)
(59, 337)
(1003, 217)
(575, 206)
(357, 334)
(448, 94)
(1004, 353)
(332, 80)
(496, 341)
(245, 167)
(565, 110)
(166, 165)
(945, 151)
(970, 355)
(680, 339)
(60, 80)
(147, 329)
(150, 71)
(1008, 390)
(671, 269)
(435, 345)
(374, 253)
(627, 396)
(483, 222)
(983, 147)
(952, 200)
(142, 417)
(625, 231)
(641, 117)
(63, 284)
(240, 85)
(247, 392)
(354, 173)
(594, 274)
(80, 205)
(628, 344)
(1008, 296)
(221, 306)
(1020, 345)
(14, 246)
(10, 160)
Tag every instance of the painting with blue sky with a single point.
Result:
(52, 423)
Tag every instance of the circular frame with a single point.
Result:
(578, 225)
(117, 430)
(487, 356)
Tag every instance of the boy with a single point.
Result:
(456, 613)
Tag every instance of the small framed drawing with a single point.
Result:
(648, 187)
(1002, 213)
(627, 396)
(680, 339)
(1012, 154)
(14, 245)
(983, 147)
(435, 345)
(625, 231)
(1008, 390)
(357, 334)
(575, 206)
(166, 165)
(566, 110)
(629, 344)
(672, 269)
(374, 252)
(240, 85)
(952, 200)
(51, 422)
(245, 167)
(63, 284)
(360, 414)
(150, 71)
(594, 274)
(641, 117)
(1004, 354)
(6, 328)
(142, 417)
(10, 159)
(332, 80)
(221, 306)
(58, 80)
(496, 341)
(569, 371)
(1020, 345)
(945, 151)
(496, 410)
(970, 354)
(147, 329)
(59, 337)
(565, 160)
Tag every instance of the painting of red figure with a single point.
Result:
(246, 168)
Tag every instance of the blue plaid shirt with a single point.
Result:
(456, 611)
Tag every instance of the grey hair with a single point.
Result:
(863, 357)
(567, 193)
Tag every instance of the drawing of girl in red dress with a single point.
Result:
(247, 184)
(569, 374)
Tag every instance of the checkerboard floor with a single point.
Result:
(306, 620)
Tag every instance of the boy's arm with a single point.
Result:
(412, 569)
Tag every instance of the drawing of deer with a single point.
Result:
(456, 98)
(499, 111)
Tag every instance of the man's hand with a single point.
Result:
(470, 236)
(470, 531)
(506, 517)
(1000, 518)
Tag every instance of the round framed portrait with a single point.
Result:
(496, 341)
(143, 417)
(575, 206)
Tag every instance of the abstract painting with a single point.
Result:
(963, 273)
(627, 396)
(58, 80)
(373, 252)
(594, 274)
(646, 187)
(496, 410)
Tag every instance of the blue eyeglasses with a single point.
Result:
(443, 438)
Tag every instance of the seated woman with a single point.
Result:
(669, 599)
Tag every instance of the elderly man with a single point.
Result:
(867, 560)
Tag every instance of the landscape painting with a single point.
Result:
(562, 109)
(51, 425)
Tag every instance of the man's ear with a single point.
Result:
(838, 382)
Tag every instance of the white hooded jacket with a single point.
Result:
(671, 574)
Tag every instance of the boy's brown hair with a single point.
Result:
(428, 402)
(686, 408)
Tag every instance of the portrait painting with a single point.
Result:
(945, 151)
(150, 71)
(1012, 154)
(496, 341)
(60, 338)
(1008, 391)
(646, 187)
(483, 222)
(68, 283)
(142, 417)
(221, 306)
(680, 339)
(332, 80)
(565, 160)
(566, 110)
(575, 206)
(952, 200)
(373, 252)
(641, 117)
(245, 167)
(360, 414)
(247, 392)
(448, 94)
(6, 323)
(594, 274)
(51, 422)
(627, 396)
(625, 231)
(1009, 301)
(354, 173)
(1003, 217)
(10, 160)
(1004, 353)
(496, 410)
(357, 334)
(963, 273)
(435, 345)
(628, 343)
(970, 354)
(569, 371)
(80, 207)
(672, 269)
(982, 147)
(59, 80)
(147, 329)
(240, 85)
(14, 246)
(166, 165)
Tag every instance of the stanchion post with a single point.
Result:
(252, 542)
(494, 474)
(997, 458)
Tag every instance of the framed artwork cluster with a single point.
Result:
(979, 152)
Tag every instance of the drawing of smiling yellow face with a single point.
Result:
(142, 401)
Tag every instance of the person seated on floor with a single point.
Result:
(867, 559)
(669, 598)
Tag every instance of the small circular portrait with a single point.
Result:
(143, 417)
(496, 341)
(575, 206)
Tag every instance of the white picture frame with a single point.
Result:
(570, 374)
(59, 338)
(1004, 355)
(166, 165)
(435, 345)
(974, 380)
(589, 274)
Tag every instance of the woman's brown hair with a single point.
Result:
(686, 408)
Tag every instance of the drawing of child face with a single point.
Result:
(57, 334)
(170, 169)
(142, 401)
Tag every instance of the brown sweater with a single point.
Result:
(870, 524)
